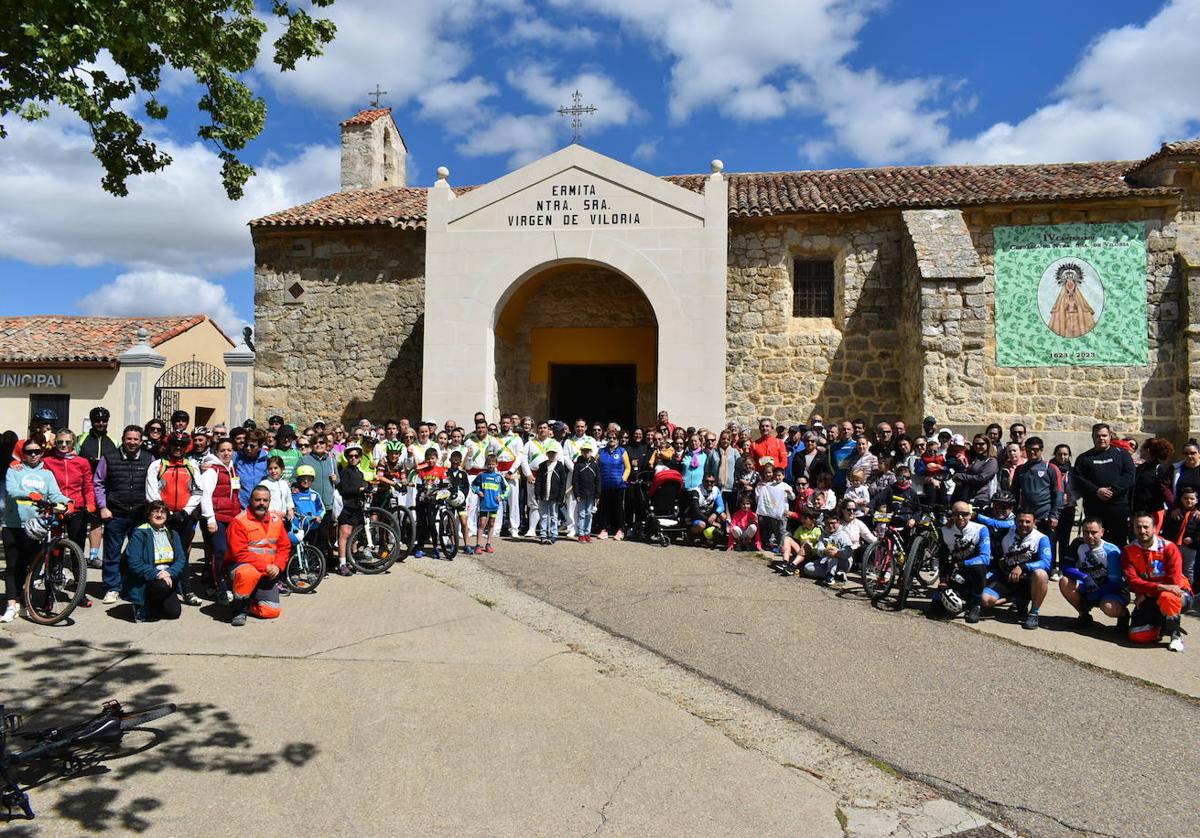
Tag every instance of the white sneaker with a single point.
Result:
(10, 614)
(110, 598)
(530, 534)
(1176, 644)
(603, 534)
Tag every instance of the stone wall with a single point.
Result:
(787, 367)
(352, 341)
(1136, 400)
(579, 297)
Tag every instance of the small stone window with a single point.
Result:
(812, 288)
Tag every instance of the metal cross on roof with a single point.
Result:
(375, 94)
(576, 112)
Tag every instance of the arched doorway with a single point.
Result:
(577, 339)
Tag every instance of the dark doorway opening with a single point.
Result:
(597, 392)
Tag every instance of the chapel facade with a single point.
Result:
(579, 285)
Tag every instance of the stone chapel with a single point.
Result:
(579, 285)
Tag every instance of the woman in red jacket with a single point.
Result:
(74, 476)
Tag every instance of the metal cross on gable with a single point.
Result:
(576, 112)
(375, 94)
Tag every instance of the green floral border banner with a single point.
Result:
(1071, 295)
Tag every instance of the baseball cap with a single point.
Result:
(945, 431)
(928, 420)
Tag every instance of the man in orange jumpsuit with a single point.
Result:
(258, 552)
(1154, 572)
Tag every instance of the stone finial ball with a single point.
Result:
(443, 172)
(717, 166)
(142, 334)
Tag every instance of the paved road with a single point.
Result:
(1049, 745)
(389, 705)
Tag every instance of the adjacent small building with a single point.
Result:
(137, 367)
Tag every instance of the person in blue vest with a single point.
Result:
(614, 477)
(251, 464)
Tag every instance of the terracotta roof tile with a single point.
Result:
(758, 194)
(1179, 147)
(366, 117)
(399, 207)
(54, 339)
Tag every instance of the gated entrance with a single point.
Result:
(190, 375)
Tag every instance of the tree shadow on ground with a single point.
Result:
(68, 682)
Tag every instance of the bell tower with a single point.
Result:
(373, 151)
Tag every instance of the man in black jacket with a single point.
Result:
(120, 484)
(92, 446)
(1103, 477)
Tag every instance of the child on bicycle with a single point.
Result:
(306, 502)
(428, 475)
(460, 487)
(492, 489)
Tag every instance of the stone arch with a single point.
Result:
(557, 357)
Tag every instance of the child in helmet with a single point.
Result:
(460, 487)
(306, 502)
(491, 488)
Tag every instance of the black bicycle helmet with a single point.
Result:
(98, 414)
(1003, 498)
(44, 414)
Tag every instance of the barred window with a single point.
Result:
(812, 288)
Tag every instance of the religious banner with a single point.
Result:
(1071, 295)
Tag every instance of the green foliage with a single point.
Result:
(52, 54)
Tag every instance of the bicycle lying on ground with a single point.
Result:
(105, 728)
(57, 577)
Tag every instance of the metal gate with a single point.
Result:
(190, 375)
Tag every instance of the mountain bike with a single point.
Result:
(306, 564)
(57, 577)
(105, 728)
(924, 552)
(883, 562)
(374, 543)
(405, 518)
(441, 518)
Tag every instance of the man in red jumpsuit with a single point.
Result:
(258, 553)
(1154, 571)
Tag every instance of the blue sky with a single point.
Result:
(762, 84)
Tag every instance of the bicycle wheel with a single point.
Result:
(407, 531)
(136, 718)
(55, 582)
(388, 518)
(928, 564)
(372, 547)
(305, 569)
(447, 533)
(912, 560)
(879, 569)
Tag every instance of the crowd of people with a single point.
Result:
(1114, 526)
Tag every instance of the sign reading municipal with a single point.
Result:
(1071, 295)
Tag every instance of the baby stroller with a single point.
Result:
(660, 496)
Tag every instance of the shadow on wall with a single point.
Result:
(399, 390)
(115, 795)
(865, 367)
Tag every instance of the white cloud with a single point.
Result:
(158, 293)
(53, 211)
(406, 46)
(762, 59)
(1133, 88)
(526, 137)
(457, 105)
(646, 150)
(540, 31)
